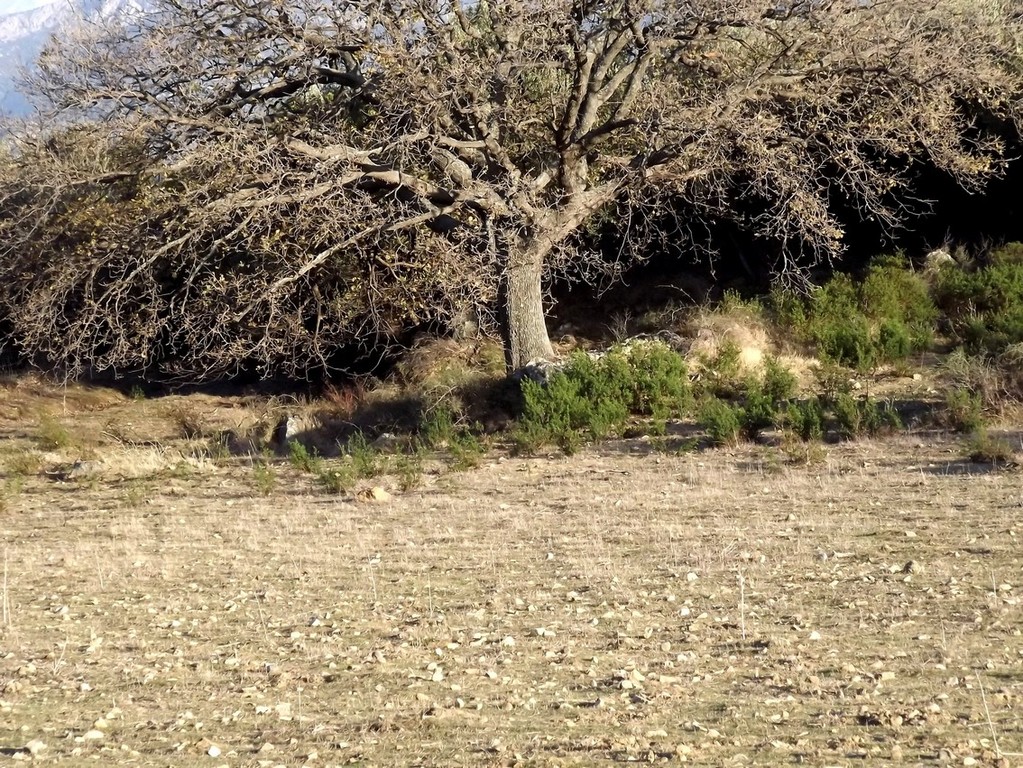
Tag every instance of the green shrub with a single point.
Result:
(885, 318)
(832, 380)
(409, 469)
(722, 420)
(964, 410)
(722, 371)
(336, 478)
(733, 304)
(597, 396)
(985, 448)
(467, 451)
(437, 426)
(364, 458)
(984, 306)
(265, 478)
(660, 380)
(857, 417)
(779, 383)
(790, 310)
(1009, 253)
(892, 292)
(805, 419)
(894, 341)
(576, 398)
(756, 413)
(846, 341)
(303, 459)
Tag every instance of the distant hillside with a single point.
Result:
(23, 35)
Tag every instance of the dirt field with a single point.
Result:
(718, 608)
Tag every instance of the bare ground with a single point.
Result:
(719, 608)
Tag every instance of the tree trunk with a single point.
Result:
(525, 325)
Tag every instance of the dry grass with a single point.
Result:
(718, 608)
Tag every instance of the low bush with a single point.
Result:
(304, 459)
(857, 417)
(985, 448)
(757, 412)
(805, 419)
(437, 426)
(722, 420)
(964, 410)
(265, 478)
(52, 435)
(596, 396)
(408, 467)
(777, 381)
(336, 478)
(721, 372)
(467, 451)
(800, 451)
(883, 319)
(984, 305)
(364, 458)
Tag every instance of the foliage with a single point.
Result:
(722, 373)
(52, 435)
(364, 458)
(805, 419)
(265, 477)
(304, 459)
(437, 426)
(985, 448)
(964, 410)
(336, 478)
(832, 380)
(801, 451)
(757, 412)
(882, 319)
(659, 380)
(865, 416)
(985, 305)
(778, 382)
(467, 451)
(994, 380)
(597, 395)
(409, 470)
(722, 420)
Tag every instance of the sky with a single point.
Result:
(13, 6)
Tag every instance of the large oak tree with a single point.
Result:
(419, 151)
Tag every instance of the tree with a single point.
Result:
(466, 146)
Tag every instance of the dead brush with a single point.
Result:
(191, 424)
(345, 400)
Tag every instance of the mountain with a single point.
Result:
(23, 35)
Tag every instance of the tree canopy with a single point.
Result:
(258, 180)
